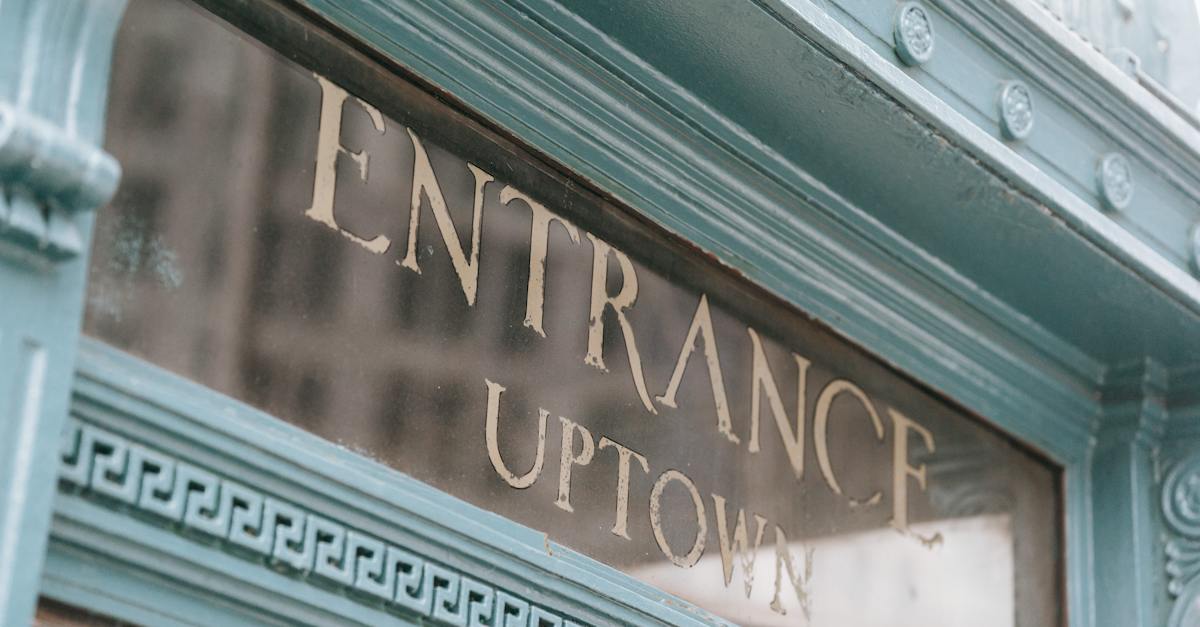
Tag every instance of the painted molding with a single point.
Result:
(1111, 105)
(1128, 535)
(273, 533)
(1181, 511)
(1016, 110)
(913, 34)
(54, 63)
(583, 100)
(51, 167)
(53, 176)
(174, 482)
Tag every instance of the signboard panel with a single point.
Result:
(336, 246)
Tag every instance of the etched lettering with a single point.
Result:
(693, 555)
(901, 469)
(568, 458)
(425, 183)
(492, 426)
(702, 327)
(624, 454)
(619, 303)
(740, 543)
(539, 241)
(329, 146)
(821, 428)
(764, 382)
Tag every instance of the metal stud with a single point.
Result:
(1114, 178)
(913, 33)
(1016, 110)
(1126, 60)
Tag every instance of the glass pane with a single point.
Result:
(354, 256)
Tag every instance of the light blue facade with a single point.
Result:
(1032, 256)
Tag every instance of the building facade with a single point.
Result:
(563, 312)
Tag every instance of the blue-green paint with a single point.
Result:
(138, 403)
(784, 137)
(53, 76)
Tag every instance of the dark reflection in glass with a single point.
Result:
(214, 262)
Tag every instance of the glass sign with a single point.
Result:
(310, 234)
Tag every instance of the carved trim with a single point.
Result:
(49, 176)
(1016, 110)
(913, 34)
(1181, 511)
(63, 171)
(244, 521)
(50, 166)
(1114, 177)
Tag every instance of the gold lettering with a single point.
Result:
(702, 326)
(329, 145)
(493, 442)
(783, 559)
(764, 381)
(569, 458)
(425, 182)
(619, 303)
(693, 556)
(901, 470)
(621, 525)
(746, 553)
(539, 240)
(821, 424)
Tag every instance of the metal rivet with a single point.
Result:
(1126, 60)
(1016, 110)
(1114, 178)
(913, 33)
(1195, 246)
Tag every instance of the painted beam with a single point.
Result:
(54, 60)
(166, 480)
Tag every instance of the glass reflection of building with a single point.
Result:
(253, 299)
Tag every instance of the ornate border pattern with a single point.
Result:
(125, 474)
(1181, 510)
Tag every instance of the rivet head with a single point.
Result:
(1126, 60)
(1016, 110)
(1115, 180)
(1194, 242)
(913, 33)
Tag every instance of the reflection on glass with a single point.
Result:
(267, 242)
(916, 586)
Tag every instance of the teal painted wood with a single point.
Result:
(121, 588)
(1178, 502)
(1130, 570)
(139, 431)
(1084, 107)
(889, 264)
(53, 76)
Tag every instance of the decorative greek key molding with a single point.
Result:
(126, 475)
(1181, 511)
